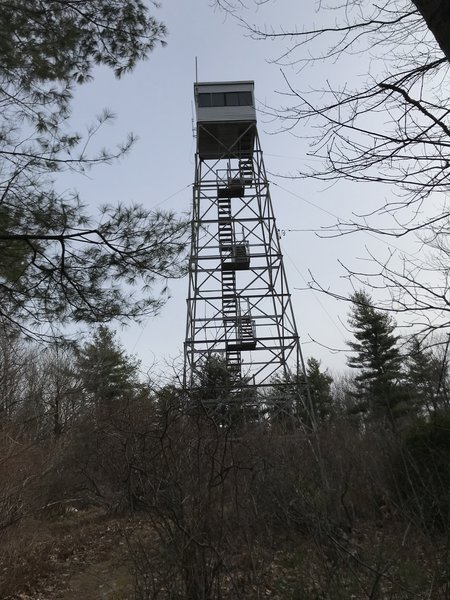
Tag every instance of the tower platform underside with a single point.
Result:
(235, 139)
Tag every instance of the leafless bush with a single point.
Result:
(252, 513)
(212, 542)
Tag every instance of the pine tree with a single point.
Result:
(289, 401)
(319, 383)
(109, 376)
(221, 395)
(377, 357)
(61, 41)
(57, 262)
(425, 376)
(120, 413)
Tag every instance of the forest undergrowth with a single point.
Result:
(154, 503)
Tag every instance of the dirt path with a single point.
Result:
(89, 560)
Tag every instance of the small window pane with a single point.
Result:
(218, 99)
(232, 99)
(245, 99)
(204, 100)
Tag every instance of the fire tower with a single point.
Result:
(238, 305)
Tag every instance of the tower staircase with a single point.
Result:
(239, 329)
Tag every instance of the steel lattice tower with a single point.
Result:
(238, 305)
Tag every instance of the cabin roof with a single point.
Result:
(248, 82)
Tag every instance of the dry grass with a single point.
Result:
(81, 555)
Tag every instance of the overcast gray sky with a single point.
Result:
(155, 102)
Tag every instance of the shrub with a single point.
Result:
(422, 471)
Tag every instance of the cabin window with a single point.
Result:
(225, 99)
(232, 99)
(218, 99)
(245, 98)
(204, 100)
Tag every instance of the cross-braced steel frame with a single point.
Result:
(238, 305)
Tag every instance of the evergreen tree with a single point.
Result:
(61, 40)
(289, 402)
(213, 382)
(376, 355)
(426, 375)
(113, 440)
(222, 395)
(319, 383)
(56, 261)
(109, 376)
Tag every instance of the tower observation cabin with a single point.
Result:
(226, 119)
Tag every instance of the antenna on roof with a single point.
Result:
(193, 121)
(192, 105)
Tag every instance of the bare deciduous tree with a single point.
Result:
(381, 117)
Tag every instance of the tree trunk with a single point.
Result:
(437, 17)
